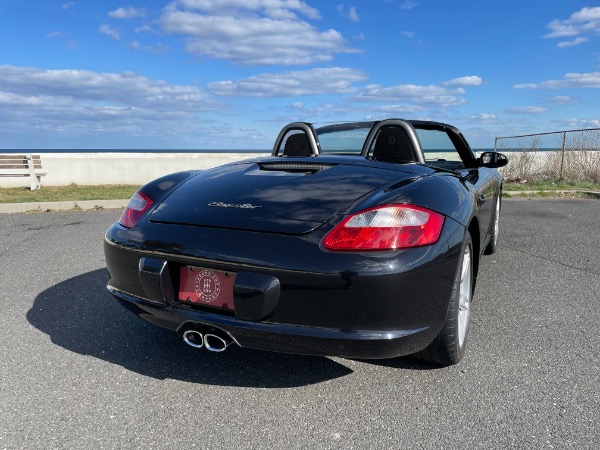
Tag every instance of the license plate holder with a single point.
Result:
(206, 287)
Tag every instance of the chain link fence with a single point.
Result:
(563, 155)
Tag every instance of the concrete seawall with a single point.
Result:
(121, 168)
(139, 168)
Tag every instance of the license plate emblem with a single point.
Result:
(206, 287)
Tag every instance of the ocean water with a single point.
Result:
(127, 150)
(134, 150)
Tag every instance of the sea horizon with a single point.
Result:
(110, 150)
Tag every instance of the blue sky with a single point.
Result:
(228, 74)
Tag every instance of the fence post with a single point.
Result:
(562, 158)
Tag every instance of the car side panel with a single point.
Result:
(485, 188)
(443, 192)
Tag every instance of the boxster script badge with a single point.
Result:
(233, 205)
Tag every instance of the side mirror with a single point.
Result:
(493, 160)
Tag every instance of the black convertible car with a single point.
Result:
(358, 240)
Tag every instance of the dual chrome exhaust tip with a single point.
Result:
(216, 341)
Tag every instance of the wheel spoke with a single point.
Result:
(464, 302)
(496, 221)
(464, 299)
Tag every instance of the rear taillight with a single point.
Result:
(135, 209)
(386, 227)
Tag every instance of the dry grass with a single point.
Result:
(65, 193)
(552, 185)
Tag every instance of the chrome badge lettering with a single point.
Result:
(233, 205)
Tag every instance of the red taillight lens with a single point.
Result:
(135, 209)
(386, 227)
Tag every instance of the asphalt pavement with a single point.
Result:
(78, 371)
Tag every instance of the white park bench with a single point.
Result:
(22, 165)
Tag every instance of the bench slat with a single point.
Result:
(22, 165)
(19, 161)
(8, 165)
(15, 173)
(11, 166)
(35, 158)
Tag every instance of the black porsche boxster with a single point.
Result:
(358, 240)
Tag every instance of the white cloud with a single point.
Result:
(408, 34)
(585, 21)
(561, 29)
(127, 13)
(143, 28)
(564, 100)
(68, 5)
(407, 89)
(464, 81)
(252, 40)
(571, 80)
(483, 118)
(335, 80)
(110, 31)
(12, 99)
(449, 93)
(157, 49)
(578, 123)
(281, 14)
(271, 8)
(572, 43)
(527, 110)
(408, 4)
(45, 103)
(119, 89)
(335, 112)
(351, 14)
(400, 109)
(54, 34)
(586, 15)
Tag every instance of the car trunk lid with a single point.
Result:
(277, 197)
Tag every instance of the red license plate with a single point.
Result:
(206, 287)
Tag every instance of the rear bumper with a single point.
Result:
(368, 344)
(317, 303)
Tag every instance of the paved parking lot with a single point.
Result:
(77, 371)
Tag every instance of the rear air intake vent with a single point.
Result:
(293, 167)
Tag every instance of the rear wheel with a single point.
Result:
(491, 247)
(449, 346)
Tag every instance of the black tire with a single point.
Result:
(449, 346)
(493, 244)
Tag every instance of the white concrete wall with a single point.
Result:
(121, 168)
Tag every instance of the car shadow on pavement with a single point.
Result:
(81, 316)
(403, 362)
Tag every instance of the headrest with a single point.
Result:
(393, 144)
(297, 145)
